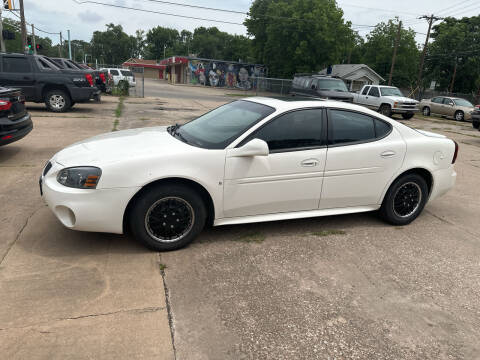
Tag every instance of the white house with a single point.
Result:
(354, 75)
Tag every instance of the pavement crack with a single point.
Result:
(18, 234)
(169, 308)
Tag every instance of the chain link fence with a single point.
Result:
(139, 89)
(428, 94)
(271, 86)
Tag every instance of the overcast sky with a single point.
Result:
(83, 19)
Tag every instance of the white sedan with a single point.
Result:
(252, 160)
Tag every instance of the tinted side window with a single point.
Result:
(114, 72)
(298, 129)
(382, 128)
(16, 65)
(447, 101)
(374, 92)
(437, 100)
(365, 91)
(350, 127)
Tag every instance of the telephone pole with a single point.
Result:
(2, 42)
(60, 45)
(394, 57)
(34, 43)
(454, 74)
(23, 26)
(430, 19)
(69, 46)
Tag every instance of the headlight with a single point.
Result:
(83, 177)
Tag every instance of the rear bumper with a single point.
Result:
(83, 94)
(443, 181)
(13, 131)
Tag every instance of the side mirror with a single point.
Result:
(314, 87)
(255, 147)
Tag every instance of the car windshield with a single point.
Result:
(463, 102)
(332, 85)
(218, 128)
(390, 91)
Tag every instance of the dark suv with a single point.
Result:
(320, 86)
(42, 81)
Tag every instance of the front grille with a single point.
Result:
(47, 168)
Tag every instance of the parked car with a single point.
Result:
(320, 86)
(99, 76)
(387, 100)
(251, 160)
(68, 66)
(121, 74)
(15, 121)
(476, 117)
(459, 109)
(40, 80)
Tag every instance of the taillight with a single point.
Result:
(5, 105)
(89, 79)
(102, 76)
(455, 154)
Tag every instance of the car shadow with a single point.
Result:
(8, 151)
(42, 109)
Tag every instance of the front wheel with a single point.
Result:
(386, 110)
(475, 123)
(405, 200)
(167, 217)
(459, 116)
(57, 100)
(407, 116)
(426, 111)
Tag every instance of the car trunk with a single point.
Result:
(12, 104)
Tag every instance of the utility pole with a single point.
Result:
(454, 74)
(2, 42)
(430, 19)
(23, 26)
(34, 43)
(60, 46)
(69, 46)
(394, 57)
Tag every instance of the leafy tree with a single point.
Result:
(378, 51)
(112, 46)
(160, 37)
(455, 41)
(298, 35)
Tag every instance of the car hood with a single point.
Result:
(401, 99)
(120, 145)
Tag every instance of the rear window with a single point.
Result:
(16, 64)
(126, 72)
(114, 72)
(330, 84)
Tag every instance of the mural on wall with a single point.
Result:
(224, 74)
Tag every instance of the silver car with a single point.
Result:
(459, 109)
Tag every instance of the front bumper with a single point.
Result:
(405, 110)
(99, 210)
(443, 181)
(11, 131)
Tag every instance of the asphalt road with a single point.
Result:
(345, 287)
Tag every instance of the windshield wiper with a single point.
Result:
(173, 130)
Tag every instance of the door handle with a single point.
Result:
(388, 153)
(309, 163)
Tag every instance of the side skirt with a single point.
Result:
(294, 215)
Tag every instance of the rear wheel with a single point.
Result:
(405, 199)
(167, 217)
(386, 110)
(426, 111)
(407, 116)
(57, 100)
(476, 123)
(459, 116)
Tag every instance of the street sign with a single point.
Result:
(7, 4)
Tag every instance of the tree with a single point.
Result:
(378, 51)
(160, 39)
(298, 35)
(112, 46)
(455, 41)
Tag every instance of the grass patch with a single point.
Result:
(144, 118)
(118, 113)
(253, 237)
(328, 232)
(162, 266)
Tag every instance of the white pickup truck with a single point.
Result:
(387, 100)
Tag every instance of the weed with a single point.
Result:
(118, 113)
(255, 237)
(162, 267)
(144, 118)
(328, 232)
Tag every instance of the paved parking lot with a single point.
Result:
(345, 287)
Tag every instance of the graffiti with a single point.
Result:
(224, 74)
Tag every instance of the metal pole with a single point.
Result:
(2, 42)
(453, 77)
(69, 46)
(34, 43)
(23, 26)
(60, 46)
(394, 57)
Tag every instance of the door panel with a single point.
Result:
(279, 182)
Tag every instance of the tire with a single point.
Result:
(405, 187)
(476, 124)
(57, 100)
(155, 204)
(386, 110)
(407, 116)
(426, 111)
(459, 115)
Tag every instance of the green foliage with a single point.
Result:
(121, 89)
(378, 50)
(299, 35)
(455, 40)
(15, 46)
(112, 46)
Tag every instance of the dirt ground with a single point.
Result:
(345, 287)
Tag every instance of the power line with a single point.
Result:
(453, 6)
(470, 7)
(379, 9)
(193, 6)
(46, 32)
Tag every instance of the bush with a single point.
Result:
(121, 89)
